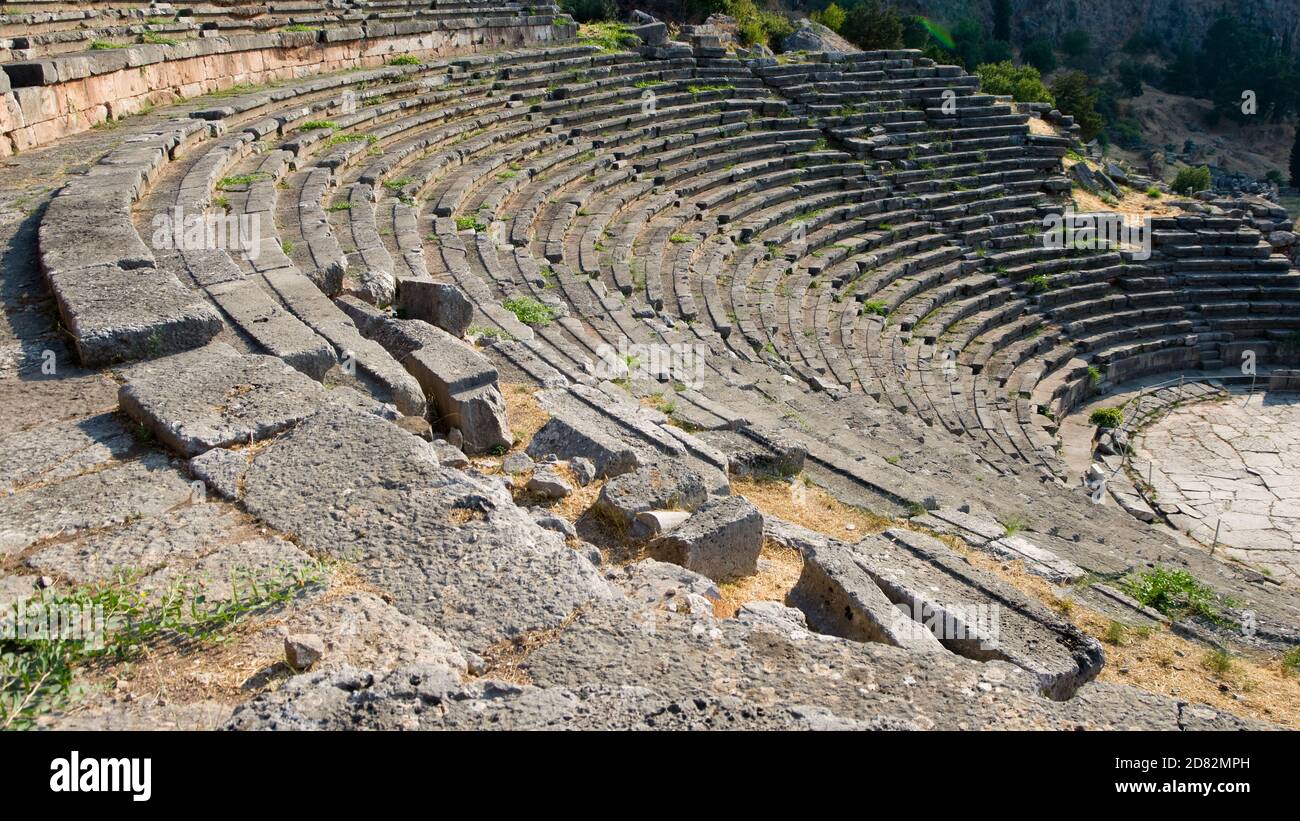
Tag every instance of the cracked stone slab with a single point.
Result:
(56, 451)
(1228, 474)
(141, 546)
(216, 397)
(142, 488)
(453, 550)
(116, 315)
(978, 615)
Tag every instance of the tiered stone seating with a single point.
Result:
(825, 232)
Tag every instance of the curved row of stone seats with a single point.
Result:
(707, 216)
(47, 97)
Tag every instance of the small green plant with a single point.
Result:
(405, 60)
(150, 38)
(242, 180)
(1175, 593)
(1218, 661)
(876, 307)
(1014, 524)
(38, 674)
(1116, 633)
(341, 205)
(529, 311)
(1107, 417)
(286, 245)
(608, 36)
(105, 45)
(1291, 661)
(1038, 283)
(1153, 192)
(340, 139)
(470, 223)
(678, 239)
(300, 27)
(316, 125)
(1094, 375)
(489, 333)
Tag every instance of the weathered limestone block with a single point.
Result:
(438, 303)
(664, 485)
(116, 315)
(721, 540)
(980, 616)
(452, 550)
(216, 397)
(840, 598)
(460, 383)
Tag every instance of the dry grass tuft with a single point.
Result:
(806, 504)
(779, 569)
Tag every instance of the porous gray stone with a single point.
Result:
(223, 470)
(106, 498)
(452, 549)
(721, 540)
(302, 650)
(547, 483)
(583, 470)
(449, 454)
(215, 397)
(439, 303)
(116, 315)
(664, 485)
(460, 383)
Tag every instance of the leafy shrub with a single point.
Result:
(608, 36)
(871, 25)
(529, 311)
(832, 17)
(1190, 180)
(1175, 593)
(876, 307)
(1023, 83)
(1075, 96)
(405, 60)
(1107, 417)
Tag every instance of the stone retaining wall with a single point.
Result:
(47, 100)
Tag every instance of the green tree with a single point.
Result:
(870, 25)
(1002, 20)
(1040, 55)
(588, 11)
(1130, 78)
(1023, 83)
(1190, 180)
(1295, 159)
(1075, 96)
(832, 17)
(1076, 43)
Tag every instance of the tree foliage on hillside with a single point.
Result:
(1023, 83)
(1236, 56)
(1295, 160)
(1076, 96)
(871, 25)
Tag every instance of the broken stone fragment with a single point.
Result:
(549, 484)
(721, 540)
(666, 485)
(303, 650)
